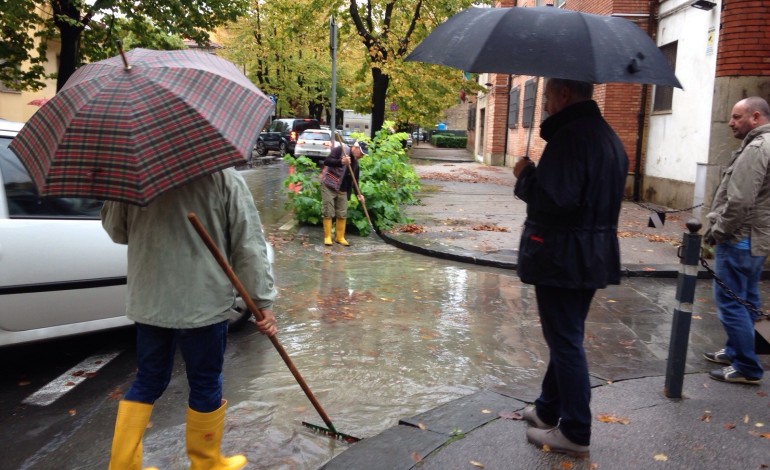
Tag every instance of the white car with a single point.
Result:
(316, 144)
(60, 273)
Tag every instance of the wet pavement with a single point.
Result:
(713, 424)
(428, 357)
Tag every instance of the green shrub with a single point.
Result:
(449, 141)
(387, 181)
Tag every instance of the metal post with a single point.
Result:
(689, 253)
(700, 188)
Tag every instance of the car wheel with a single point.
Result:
(238, 318)
(261, 150)
(283, 148)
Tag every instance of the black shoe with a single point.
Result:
(720, 357)
(729, 374)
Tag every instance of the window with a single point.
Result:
(513, 108)
(664, 94)
(528, 111)
(472, 118)
(23, 199)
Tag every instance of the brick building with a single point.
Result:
(720, 52)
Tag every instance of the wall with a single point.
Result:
(456, 117)
(742, 70)
(678, 140)
(14, 106)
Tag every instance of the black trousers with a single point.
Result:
(566, 392)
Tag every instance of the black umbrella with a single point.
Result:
(547, 42)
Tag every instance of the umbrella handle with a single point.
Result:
(196, 223)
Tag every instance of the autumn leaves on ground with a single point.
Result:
(450, 172)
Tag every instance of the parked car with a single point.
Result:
(347, 137)
(316, 144)
(60, 273)
(281, 135)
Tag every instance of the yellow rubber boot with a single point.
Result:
(203, 438)
(340, 228)
(130, 424)
(327, 231)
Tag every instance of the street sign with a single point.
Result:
(332, 35)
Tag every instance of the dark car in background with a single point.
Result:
(281, 135)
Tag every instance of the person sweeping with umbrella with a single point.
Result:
(156, 134)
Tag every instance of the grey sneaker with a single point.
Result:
(530, 415)
(720, 357)
(729, 374)
(552, 440)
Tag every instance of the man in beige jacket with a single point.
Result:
(739, 226)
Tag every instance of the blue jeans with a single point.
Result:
(203, 351)
(740, 272)
(566, 390)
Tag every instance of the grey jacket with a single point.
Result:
(173, 280)
(741, 205)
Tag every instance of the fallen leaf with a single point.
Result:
(605, 418)
(761, 394)
(421, 426)
(73, 412)
(511, 415)
(706, 417)
(24, 383)
(412, 228)
(477, 464)
(416, 457)
(661, 457)
(759, 425)
(746, 419)
(546, 448)
(486, 411)
(729, 426)
(566, 465)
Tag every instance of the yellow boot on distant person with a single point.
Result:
(340, 235)
(130, 424)
(204, 437)
(327, 231)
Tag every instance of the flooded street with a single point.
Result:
(380, 334)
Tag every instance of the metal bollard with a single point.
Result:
(689, 253)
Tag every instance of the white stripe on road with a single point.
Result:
(69, 380)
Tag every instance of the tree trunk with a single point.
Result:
(380, 82)
(70, 38)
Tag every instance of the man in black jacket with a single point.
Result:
(569, 248)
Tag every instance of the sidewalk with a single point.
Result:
(468, 213)
(467, 210)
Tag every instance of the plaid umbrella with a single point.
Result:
(128, 131)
